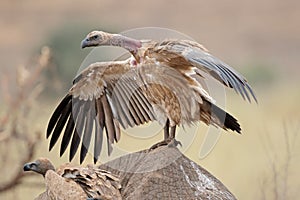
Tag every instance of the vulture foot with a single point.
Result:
(170, 142)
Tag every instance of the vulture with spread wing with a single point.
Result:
(75, 182)
(159, 82)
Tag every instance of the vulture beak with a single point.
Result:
(27, 167)
(85, 43)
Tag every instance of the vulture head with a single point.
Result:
(41, 166)
(96, 38)
(100, 38)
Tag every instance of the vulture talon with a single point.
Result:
(170, 142)
(174, 143)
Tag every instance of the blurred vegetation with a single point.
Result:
(278, 183)
(18, 135)
(260, 73)
(65, 43)
(67, 56)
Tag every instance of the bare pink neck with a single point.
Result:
(130, 44)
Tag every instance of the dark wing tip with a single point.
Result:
(56, 114)
(95, 159)
(75, 140)
(83, 152)
(232, 123)
(60, 124)
(58, 117)
(73, 147)
(67, 135)
(50, 148)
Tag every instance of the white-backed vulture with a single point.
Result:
(157, 83)
(80, 183)
(188, 57)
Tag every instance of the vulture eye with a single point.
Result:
(32, 165)
(95, 37)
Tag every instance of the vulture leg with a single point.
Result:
(166, 129)
(172, 132)
(169, 137)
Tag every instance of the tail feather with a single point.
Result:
(215, 115)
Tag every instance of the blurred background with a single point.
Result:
(40, 54)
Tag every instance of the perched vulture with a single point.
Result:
(187, 57)
(75, 182)
(159, 82)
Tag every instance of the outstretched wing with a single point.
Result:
(107, 95)
(200, 58)
(103, 96)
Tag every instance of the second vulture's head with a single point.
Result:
(41, 166)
